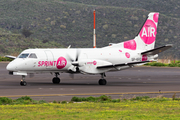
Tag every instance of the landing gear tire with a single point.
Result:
(56, 80)
(102, 82)
(23, 83)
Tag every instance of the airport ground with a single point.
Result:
(137, 81)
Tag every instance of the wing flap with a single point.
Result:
(119, 65)
(157, 50)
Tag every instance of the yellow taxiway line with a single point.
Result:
(87, 94)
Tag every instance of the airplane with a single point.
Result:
(115, 57)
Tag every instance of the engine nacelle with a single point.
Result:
(90, 66)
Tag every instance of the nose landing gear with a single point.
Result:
(23, 82)
(102, 81)
(56, 79)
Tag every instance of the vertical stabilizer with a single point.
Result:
(147, 34)
(145, 40)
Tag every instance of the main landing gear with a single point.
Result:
(56, 79)
(23, 82)
(102, 81)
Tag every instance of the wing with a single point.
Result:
(157, 50)
(9, 56)
(123, 64)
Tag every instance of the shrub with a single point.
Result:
(5, 100)
(26, 32)
(158, 64)
(64, 102)
(42, 101)
(91, 99)
(172, 65)
(24, 98)
(76, 99)
(142, 98)
(71, 102)
(104, 98)
(116, 100)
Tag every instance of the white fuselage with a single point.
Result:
(60, 60)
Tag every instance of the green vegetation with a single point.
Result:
(58, 23)
(141, 107)
(175, 63)
(94, 99)
(169, 7)
(158, 64)
(23, 100)
(102, 99)
(4, 59)
(13, 44)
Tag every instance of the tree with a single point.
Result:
(26, 32)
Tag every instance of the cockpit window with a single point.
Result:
(32, 55)
(24, 55)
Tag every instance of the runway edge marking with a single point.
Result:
(126, 93)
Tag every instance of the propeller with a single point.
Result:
(75, 63)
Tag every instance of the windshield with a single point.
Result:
(32, 55)
(24, 55)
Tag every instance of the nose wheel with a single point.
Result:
(56, 79)
(102, 81)
(23, 82)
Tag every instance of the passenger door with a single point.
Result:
(50, 59)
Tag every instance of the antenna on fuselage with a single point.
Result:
(94, 34)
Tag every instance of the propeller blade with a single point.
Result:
(69, 58)
(77, 54)
(75, 63)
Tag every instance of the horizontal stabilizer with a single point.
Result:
(120, 65)
(157, 50)
(9, 56)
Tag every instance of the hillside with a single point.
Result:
(70, 22)
(167, 7)
(14, 43)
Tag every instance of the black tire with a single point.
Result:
(102, 82)
(56, 80)
(23, 83)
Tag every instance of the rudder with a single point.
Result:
(145, 40)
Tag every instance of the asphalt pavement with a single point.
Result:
(137, 81)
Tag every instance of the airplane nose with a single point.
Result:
(10, 67)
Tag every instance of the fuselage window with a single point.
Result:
(32, 55)
(24, 55)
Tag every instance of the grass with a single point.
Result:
(23, 100)
(141, 107)
(175, 63)
(92, 99)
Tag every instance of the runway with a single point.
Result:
(137, 81)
